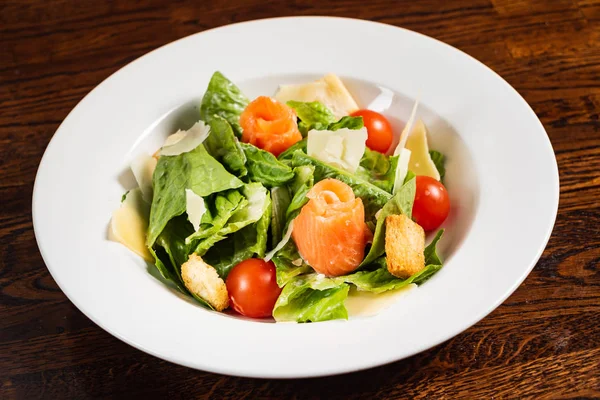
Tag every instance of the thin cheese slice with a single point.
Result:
(143, 167)
(401, 169)
(407, 129)
(420, 160)
(329, 90)
(129, 224)
(194, 207)
(174, 138)
(342, 148)
(183, 141)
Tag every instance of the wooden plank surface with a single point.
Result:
(543, 342)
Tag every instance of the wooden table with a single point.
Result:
(543, 342)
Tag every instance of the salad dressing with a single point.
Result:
(368, 304)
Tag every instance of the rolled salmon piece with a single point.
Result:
(330, 231)
(269, 125)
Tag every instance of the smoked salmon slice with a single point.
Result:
(330, 231)
(269, 125)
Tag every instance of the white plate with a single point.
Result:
(502, 178)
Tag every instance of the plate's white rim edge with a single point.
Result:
(330, 372)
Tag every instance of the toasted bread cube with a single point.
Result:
(203, 280)
(404, 245)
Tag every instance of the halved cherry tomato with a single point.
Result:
(252, 287)
(432, 203)
(378, 128)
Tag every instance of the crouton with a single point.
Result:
(404, 245)
(203, 281)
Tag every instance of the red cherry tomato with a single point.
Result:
(432, 204)
(378, 128)
(252, 287)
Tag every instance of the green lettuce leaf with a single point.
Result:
(280, 198)
(172, 239)
(347, 122)
(286, 156)
(172, 251)
(312, 115)
(378, 169)
(196, 170)
(289, 264)
(241, 245)
(438, 160)
(409, 175)
(259, 246)
(225, 99)
(315, 115)
(373, 197)
(430, 252)
(220, 208)
(300, 186)
(380, 280)
(250, 210)
(166, 268)
(259, 201)
(222, 144)
(205, 244)
(264, 167)
(401, 203)
(307, 298)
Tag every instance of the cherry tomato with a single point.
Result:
(432, 204)
(378, 128)
(252, 287)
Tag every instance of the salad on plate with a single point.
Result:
(297, 207)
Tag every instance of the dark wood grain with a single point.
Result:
(543, 342)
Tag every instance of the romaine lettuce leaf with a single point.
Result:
(353, 123)
(222, 144)
(253, 206)
(312, 115)
(401, 203)
(431, 256)
(286, 156)
(409, 175)
(259, 201)
(372, 196)
(222, 207)
(225, 99)
(195, 170)
(259, 246)
(438, 160)
(308, 298)
(166, 269)
(280, 199)
(264, 167)
(240, 245)
(172, 239)
(171, 252)
(289, 264)
(205, 244)
(300, 186)
(229, 252)
(315, 115)
(380, 280)
(378, 169)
